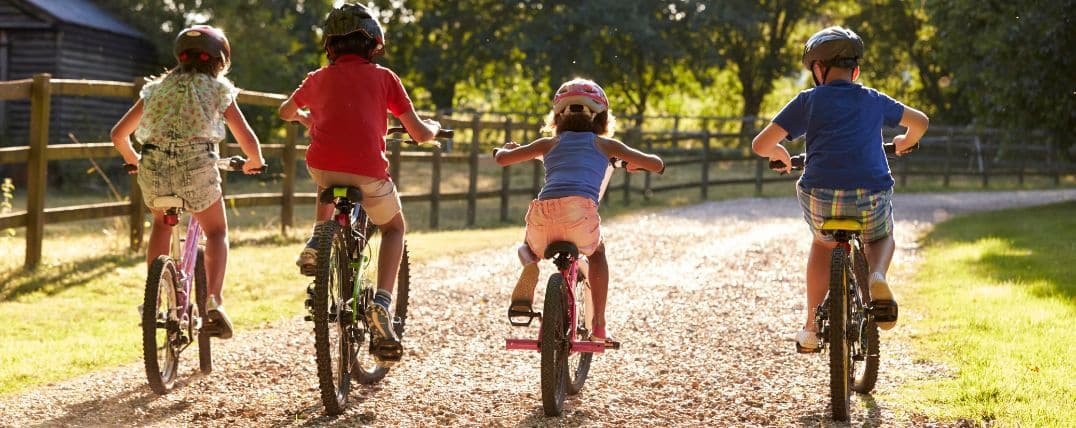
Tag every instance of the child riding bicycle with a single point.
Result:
(180, 119)
(343, 105)
(846, 172)
(575, 158)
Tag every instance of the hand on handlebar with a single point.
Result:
(254, 166)
(900, 142)
(780, 160)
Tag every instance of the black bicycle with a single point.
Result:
(847, 317)
(345, 280)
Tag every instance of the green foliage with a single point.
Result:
(1011, 62)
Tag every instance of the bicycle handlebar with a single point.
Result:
(234, 163)
(799, 160)
(441, 133)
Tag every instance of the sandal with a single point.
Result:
(600, 335)
(520, 312)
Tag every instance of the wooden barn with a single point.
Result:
(71, 39)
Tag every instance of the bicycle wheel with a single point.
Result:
(161, 331)
(579, 362)
(201, 292)
(864, 372)
(554, 346)
(839, 354)
(365, 370)
(333, 348)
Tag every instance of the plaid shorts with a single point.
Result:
(872, 208)
(189, 172)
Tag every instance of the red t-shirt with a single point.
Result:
(348, 101)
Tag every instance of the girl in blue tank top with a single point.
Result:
(576, 159)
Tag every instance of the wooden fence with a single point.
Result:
(947, 152)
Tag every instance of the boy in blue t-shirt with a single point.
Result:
(846, 173)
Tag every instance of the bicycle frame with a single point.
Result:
(349, 213)
(568, 267)
(185, 253)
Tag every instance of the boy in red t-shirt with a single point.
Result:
(344, 107)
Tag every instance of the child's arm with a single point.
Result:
(246, 138)
(513, 153)
(121, 133)
(421, 130)
(768, 144)
(635, 159)
(917, 123)
(290, 112)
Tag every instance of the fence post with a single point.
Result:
(904, 171)
(138, 208)
(705, 163)
(287, 196)
(1055, 149)
(472, 180)
(506, 175)
(394, 164)
(37, 167)
(948, 155)
(435, 188)
(983, 161)
(646, 179)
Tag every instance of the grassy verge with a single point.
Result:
(999, 297)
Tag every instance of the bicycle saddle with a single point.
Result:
(561, 247)
(353, 194)
(166, 202)
(841, 223)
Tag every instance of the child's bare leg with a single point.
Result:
(392, 241)
(880, 254)
(215, 226)
(599, 285)
(160, 238)
(818, 262)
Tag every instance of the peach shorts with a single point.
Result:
(573, 218)
(379, 197)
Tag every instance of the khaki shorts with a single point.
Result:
(379, 197)
(189, 172)
(574, 219)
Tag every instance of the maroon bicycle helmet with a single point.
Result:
(202, 39)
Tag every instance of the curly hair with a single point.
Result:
(603, 124)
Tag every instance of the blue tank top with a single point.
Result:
(574, 167)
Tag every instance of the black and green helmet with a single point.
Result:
(351, 18)
(833, 46)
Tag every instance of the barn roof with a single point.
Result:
(86, 14)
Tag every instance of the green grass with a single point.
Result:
(998, 295)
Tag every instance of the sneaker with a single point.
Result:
(307, 261)
(807, 341)
(385, 346)
(217, 323)
(880, 292)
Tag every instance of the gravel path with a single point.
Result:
(704, 298)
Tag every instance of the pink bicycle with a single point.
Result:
(565, 321)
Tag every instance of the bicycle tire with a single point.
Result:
(161, 376)
(334, 381)
(201, 292)
(839, 354)
(865, 373)
(365, 371)
(579, 362)
(554, 347)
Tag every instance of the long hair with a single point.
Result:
(603, 124)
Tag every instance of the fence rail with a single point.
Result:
(948, 152)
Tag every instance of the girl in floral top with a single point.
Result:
(180, 119)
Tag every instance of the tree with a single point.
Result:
(752, 36)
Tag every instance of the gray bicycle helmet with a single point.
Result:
(351, 18)
(833, 46)
(202, 39)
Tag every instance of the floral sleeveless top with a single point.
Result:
(184, 108)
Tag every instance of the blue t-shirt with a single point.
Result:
(843, 122)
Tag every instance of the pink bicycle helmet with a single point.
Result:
(202, 39)
(580, 92)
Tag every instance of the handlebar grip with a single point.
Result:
(797, 162)
(618, 163)
(891, 149)
(445, 133)
(396, 130)
(236, 163)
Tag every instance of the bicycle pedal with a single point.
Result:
(883, 310)
(612, 344)
(802, 350)
(522, 318)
